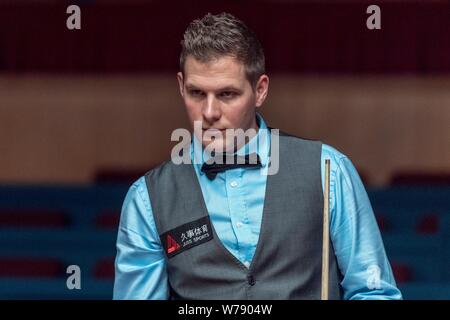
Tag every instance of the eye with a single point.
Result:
(228, 94)
(196, 93)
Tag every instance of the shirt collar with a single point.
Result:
(260, 143)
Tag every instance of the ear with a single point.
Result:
(181, 83)
(262, 89)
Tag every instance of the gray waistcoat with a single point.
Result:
(288, 258)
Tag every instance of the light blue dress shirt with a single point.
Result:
(235, 201)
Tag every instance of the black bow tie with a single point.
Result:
(223, 162)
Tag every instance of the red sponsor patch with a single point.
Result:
(187, 236)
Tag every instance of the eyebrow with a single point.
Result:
(226, 88)
(191, 87)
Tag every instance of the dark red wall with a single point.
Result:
(298, 37)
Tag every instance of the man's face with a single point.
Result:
(219, 94)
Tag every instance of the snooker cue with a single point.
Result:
(326, 233)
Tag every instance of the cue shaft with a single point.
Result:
(326, 233)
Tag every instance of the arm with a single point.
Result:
(140, 266)
(355, 235)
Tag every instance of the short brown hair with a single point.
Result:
(214, 36)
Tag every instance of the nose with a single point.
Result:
(211, 111)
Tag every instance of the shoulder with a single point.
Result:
(137, 193)
(158, 168)
(292, 141)
(178, 158)
(166, 174)
(329, 152)
(342, 169)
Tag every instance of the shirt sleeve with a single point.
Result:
(140, 266)
(354, 232)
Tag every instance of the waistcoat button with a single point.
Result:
(251, 280)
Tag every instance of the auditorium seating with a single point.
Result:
(38, 242)
(45, 229)
(420, 178)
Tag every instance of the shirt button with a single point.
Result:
(233, 184)
(238, 224)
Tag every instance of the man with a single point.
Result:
(218, 231)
